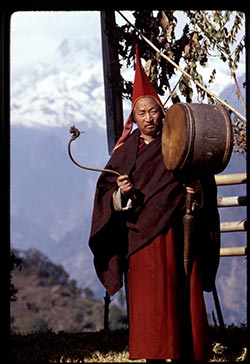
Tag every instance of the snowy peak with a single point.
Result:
(63, 90)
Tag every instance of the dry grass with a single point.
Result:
(106, 347)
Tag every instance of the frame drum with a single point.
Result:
(197, 138)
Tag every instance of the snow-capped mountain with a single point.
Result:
(51, 198)
(67, 89)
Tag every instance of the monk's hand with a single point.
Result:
(193, 187)
(124, 184)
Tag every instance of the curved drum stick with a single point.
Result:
(75, 134)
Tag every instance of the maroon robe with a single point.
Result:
(149, 238)
(158, 313)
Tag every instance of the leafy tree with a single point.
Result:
(118, 318)
(79, 317)
(207, 34)
(88, 293)
(39, 324)
(15, 263)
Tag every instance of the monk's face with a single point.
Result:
(148, 116)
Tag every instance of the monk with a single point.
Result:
(137, 237)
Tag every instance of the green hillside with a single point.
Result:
(47, 299)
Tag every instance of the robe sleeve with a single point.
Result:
(120, 203)
(108, 236)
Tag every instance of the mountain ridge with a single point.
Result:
(47, 299)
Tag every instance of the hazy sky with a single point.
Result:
(35, 36)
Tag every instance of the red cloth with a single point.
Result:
(142, 87)
(157, 317)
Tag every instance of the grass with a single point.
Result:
(107, 347)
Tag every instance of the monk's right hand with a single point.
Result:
(124, 184)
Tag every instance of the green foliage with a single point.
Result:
(207, 35)
(221, 29)
(79, 317)
(117, 321)
(39, 325)
(73, 285)
(207, 31)
(46, 270)
(88, 293)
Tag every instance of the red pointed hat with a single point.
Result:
(142, 87)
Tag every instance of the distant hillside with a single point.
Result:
(47, 299)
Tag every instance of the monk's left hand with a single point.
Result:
(193, 187)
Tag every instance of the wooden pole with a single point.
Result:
(230, 226)
(230, 179)
(231, 201)
(106, 311)
(112, 78)
(233, 251)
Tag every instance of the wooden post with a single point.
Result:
(112, 79)
(106, 311)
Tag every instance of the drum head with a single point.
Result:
(176, 136)
(197, 138)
